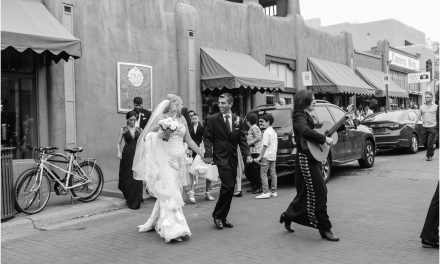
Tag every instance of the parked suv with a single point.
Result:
(354, 142)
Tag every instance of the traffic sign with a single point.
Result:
(386, 79)
(420, 77)
(307, 78)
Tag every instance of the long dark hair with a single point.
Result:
(185, 114)
(302, 100)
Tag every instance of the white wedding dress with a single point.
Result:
(164, 170)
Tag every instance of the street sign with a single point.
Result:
(307, 78)
(420, 77)
(386, 79)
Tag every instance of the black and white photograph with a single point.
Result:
(220, 131)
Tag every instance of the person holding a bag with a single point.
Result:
(196, 131)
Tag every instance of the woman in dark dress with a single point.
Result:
(309, 207)
(131, 188)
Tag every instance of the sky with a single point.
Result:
(422, 15)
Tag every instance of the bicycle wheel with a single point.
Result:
(90, 191)
(29, 197)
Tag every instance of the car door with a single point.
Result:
(338, 151)
(352, 137)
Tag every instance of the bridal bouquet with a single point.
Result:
(168, 125)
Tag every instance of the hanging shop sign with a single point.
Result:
(403, 61)
(420, 77)
(134, 80)
(307, 78)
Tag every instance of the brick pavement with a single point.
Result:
(377, 212)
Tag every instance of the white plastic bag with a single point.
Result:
(203, 170)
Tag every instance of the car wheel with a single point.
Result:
(367, 160)
(326, 169)
(414, 144)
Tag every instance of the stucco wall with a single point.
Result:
(366, 35)
(370, 61)
(155, 33)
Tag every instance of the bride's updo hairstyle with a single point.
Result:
(174, 100)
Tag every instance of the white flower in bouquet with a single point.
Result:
(168, 125)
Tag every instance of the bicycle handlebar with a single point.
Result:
(40, 149)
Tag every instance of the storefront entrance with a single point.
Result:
(18, 103)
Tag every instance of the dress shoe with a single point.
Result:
(429, 244)
(429, 158)
(227, 224)
(238, 194)
(218, 223)
(283, 218)
(328, 235)
(259, 190)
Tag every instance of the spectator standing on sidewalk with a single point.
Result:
(429, 114)
(309, 207)
(268, 157)
(429, 233)
(252, 170)
(130, 188)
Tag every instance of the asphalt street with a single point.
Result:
(378, 213)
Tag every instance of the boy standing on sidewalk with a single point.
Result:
(267, 157)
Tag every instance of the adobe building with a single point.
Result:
(366, 35)
(402, 49)
(193, 48)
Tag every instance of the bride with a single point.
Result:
(160, 161)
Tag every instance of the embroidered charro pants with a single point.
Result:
(309, 207)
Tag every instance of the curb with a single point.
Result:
(29, 224)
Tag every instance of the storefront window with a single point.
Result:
(18, 104)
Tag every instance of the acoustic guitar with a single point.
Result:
(320, 151)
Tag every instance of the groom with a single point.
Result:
(223, 133)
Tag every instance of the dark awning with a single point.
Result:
(27, 24)
(227, 69)
(332, 77)
(375, 79)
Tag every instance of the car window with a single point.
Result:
(337, 113)
(282, 117)
(321, 114)
(383, 116)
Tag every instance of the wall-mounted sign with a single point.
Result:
(403, 61)
(307, 78)
(420, 77)
(134, 80)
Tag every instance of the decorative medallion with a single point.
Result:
(135, 76)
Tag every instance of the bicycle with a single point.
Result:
(83, 180)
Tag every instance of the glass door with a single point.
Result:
(18, 113)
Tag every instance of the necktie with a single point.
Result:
(228, 127)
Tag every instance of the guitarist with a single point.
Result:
(309, 207)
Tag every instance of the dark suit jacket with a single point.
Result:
(303, 126)
(144, 115)
(220, 145)
(197, 136)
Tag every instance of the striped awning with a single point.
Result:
(331, 77)
(27, 24)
